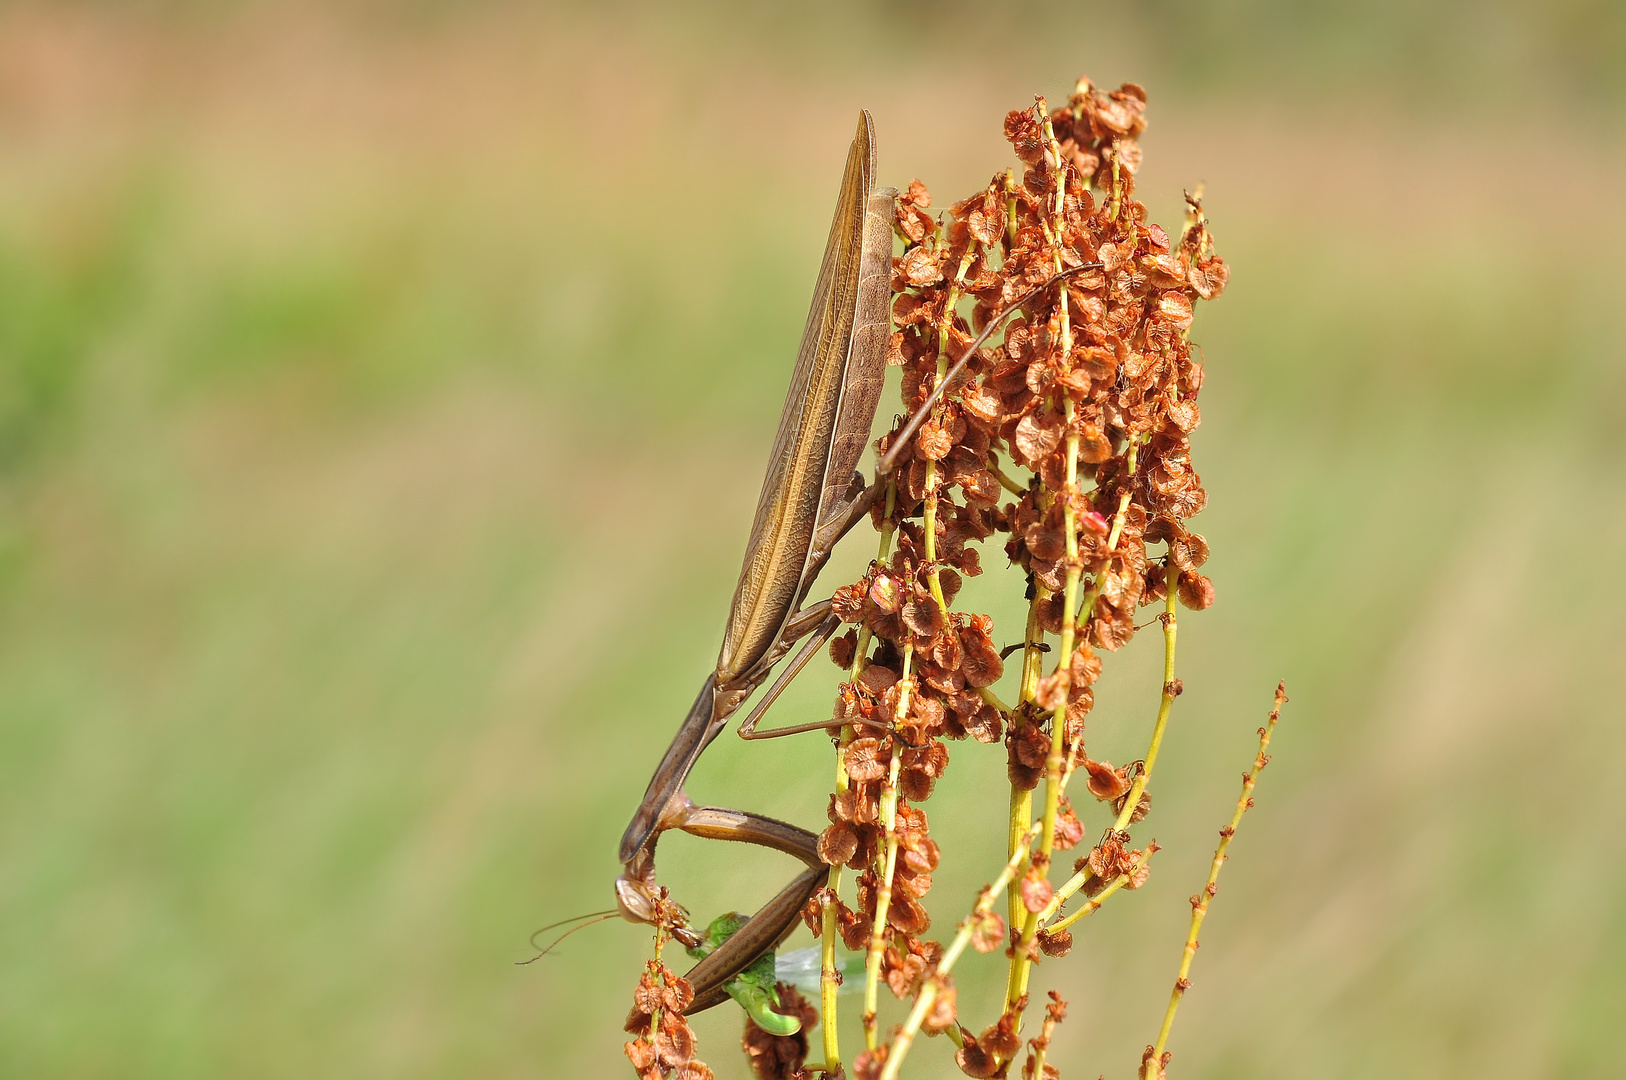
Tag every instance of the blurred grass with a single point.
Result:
(382, 403)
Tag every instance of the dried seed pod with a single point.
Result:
(1196, 591)
(1055, 942)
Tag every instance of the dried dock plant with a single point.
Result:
(1049, 391)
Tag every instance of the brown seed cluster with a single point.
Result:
(950, 656)
(780, 1057)
(1090, 391)
(983, 1055)
(665, 1048)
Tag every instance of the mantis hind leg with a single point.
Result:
(809, 649)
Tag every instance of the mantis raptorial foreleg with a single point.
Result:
(770, 926)
(773, 922)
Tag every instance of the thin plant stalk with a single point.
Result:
(1021, 802)
(1199, 903)
(883, 900)
(1035, 1065)
(829, 981)
(1171, 690)
(1020, 965)
(929, 990)
(1091, 906)
(655, 1015)
(1171, 626)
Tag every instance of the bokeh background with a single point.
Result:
(384, 392)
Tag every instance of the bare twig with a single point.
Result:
(1156, 1059)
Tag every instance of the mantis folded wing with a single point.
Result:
(810, 497)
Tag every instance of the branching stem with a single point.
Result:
(1165, 704)
(1016, 983)
(1093, 904)
(1199, 903)
(1171, 690)
(934, 985)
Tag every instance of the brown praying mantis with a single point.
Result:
(811, 496)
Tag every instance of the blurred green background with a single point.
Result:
(384, 392)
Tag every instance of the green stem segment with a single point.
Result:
(1016, 983)
(883, 899)
(1165, 704)
(1091, 906)
(889, 794)
(1021, 804)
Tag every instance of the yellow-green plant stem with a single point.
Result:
(1021, 803)
(1016, 984)
(934, 985)
(1171, 626)
(1131, 462)
(1199, 903)
(829, 980)
(1035, 1066)
(992, 698)
(1165, 704)
(1020, 811)
(655, 1015)
(883, 899)
(1036, 1063)
(1092, 905)
(1005, 481)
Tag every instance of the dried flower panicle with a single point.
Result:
(949, 656)
(665, 1048)
(1093, 380)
